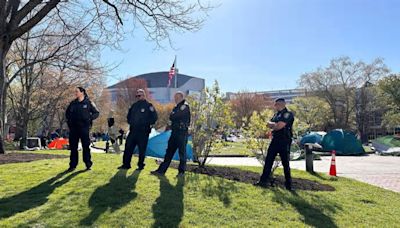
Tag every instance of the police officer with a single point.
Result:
(141, 117)
(180, 121)
(80, 114)
(281, 125)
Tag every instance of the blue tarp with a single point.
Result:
(312, 137)
(157, 147)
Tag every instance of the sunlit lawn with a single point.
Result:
(38, 194)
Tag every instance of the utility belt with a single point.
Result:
(180, 126)
(285, 136)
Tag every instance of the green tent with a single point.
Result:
(343, 142)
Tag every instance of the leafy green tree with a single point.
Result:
(389, 96)
(390, 89)
(312, 113)
(211, 117)
(391, 120)
(257, 134)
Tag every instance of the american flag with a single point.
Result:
(171, 73)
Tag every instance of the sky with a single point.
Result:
(259, 45)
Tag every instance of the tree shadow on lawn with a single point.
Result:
(118, 192)
(313, 215)
(168, 208)
(33, 197)
(219, 187)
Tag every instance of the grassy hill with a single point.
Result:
(38, 194)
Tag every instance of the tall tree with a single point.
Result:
(245, 103)
(389, 96)
(337, 83)
(157, 17)
(313, 111)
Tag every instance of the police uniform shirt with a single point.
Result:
(81, 113)
(180, 116)
(287, 117)
(142, 114)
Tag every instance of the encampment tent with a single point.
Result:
(59, 143)
(343, 142)
(157, 146)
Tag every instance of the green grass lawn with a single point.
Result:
(233, 148)
(38, 194)
(389, 141)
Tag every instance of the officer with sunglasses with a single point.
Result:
(141, 116)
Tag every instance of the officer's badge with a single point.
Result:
(142, 110)
(183, 107)
(151, 108)
(84, 106)
(286, 115)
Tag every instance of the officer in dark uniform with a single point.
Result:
(180, 121)
(80, 114)
(141, 116)
(281, 125)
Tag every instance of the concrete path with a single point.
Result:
(382, 171)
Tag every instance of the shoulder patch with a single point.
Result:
(286, 115)
(151, 108)
(183, 107)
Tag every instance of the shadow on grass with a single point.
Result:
(33, 197)
(168, 208)
(313, 214)
(218, 187)
(112, 196)
(329, 178)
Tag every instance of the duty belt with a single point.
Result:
(180, 126)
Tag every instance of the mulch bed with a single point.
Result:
(249, 177)
(26, 157)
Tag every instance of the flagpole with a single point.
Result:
(176, 74)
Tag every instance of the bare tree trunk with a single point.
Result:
(3, 51)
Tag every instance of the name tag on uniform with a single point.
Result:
(84, 106)
(142, 110)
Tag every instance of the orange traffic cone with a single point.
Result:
(332, 171)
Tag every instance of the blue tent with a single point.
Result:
(157, 147)
(312, 137)
(344, 142)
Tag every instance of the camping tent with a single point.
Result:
(59, 143)
(312, 137)
(157, 146)
(343, 142)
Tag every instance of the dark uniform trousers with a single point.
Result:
(177, 141)
(82, 133)
(282, 147)
(139, 139)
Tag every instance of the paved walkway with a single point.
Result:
(382, 171)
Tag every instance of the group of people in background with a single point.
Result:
(142, 116)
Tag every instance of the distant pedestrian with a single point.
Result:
(121, 136)
(80, 114)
